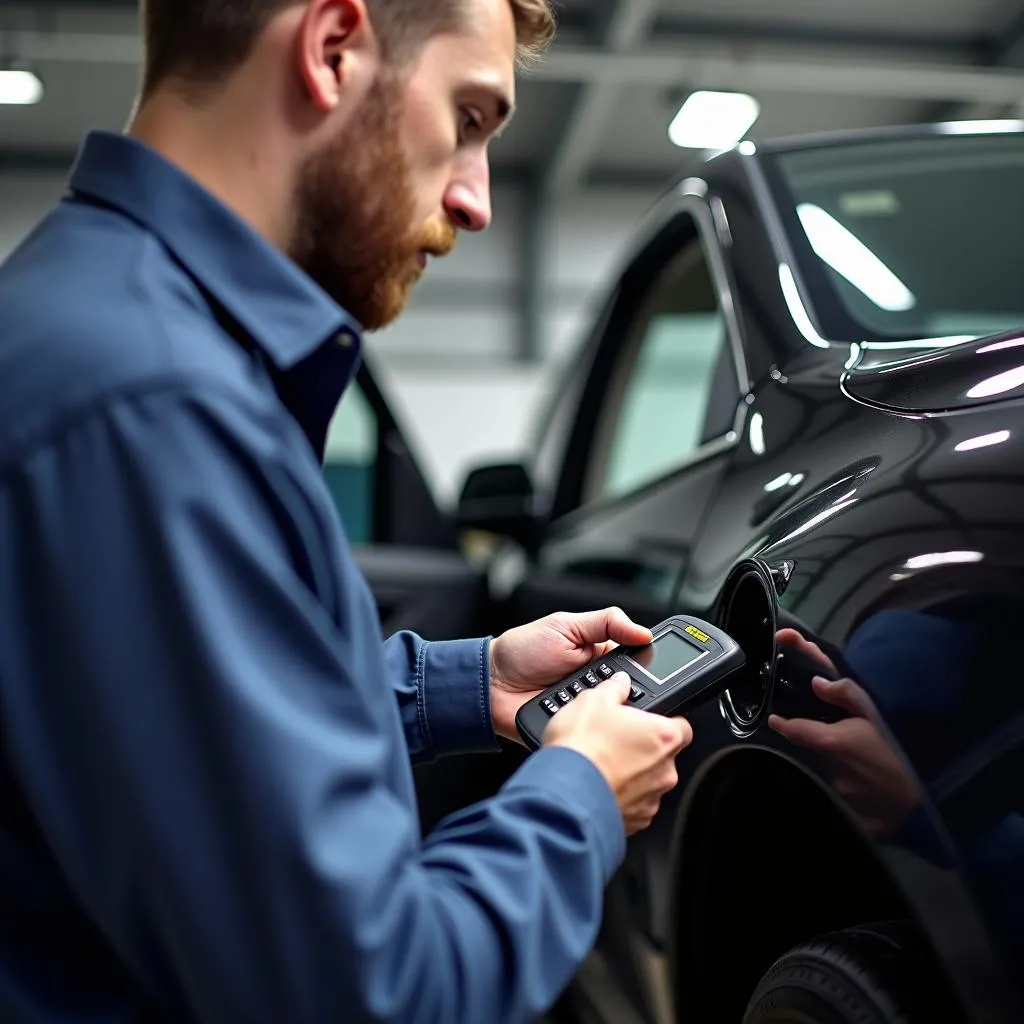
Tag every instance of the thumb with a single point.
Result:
(845, 694)
(616, 690)
(608, 624)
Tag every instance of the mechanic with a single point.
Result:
(207, 808)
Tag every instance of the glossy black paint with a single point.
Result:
(870, 497)
(970, 375)
(895, 540)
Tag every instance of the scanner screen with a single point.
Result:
(666, 656)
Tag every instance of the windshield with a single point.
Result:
(914, 238)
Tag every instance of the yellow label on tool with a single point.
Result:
(694, 631)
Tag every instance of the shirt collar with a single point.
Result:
(284, 311)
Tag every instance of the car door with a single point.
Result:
(650, 431)
(406, 547)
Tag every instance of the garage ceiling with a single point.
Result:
(598, 109)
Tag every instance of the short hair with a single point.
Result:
(201, 42)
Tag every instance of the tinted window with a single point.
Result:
(663, 403)
(349, 464)
(915, 238)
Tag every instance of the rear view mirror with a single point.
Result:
(500, 499)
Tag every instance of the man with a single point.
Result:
(207, 809)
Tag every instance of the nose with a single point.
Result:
(467, 201)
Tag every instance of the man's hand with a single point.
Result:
(529, 658)
(634, 750)
(867, 772)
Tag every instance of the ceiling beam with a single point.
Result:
(670, 26)
(703, 67)
(586, 122)
(1006, 51)
(684, 66)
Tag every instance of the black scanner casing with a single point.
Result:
(674, 698)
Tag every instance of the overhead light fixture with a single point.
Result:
(941, 558)
(985, 441)
(991, 127)
(20, 87)
(797, 310)
(713, 120)
(999, 346)
(1000, 384)
(756, 436)
(849, 257)
(778, 483)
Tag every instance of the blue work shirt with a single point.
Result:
(207, 809)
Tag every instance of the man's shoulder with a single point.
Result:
(93, 308)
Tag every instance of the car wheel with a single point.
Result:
(874, 974)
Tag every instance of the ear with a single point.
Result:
(334, 38)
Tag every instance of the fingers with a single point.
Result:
(685, 733)
(844, 693)
(613, 624)
(803, 732)
(794, 638)
(616, 689)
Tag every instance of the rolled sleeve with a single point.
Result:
(444, 694)
(455, 685)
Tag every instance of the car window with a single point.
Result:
(349, 464)
(674, 388)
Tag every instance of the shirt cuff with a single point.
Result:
(575, 783)
(455, 696)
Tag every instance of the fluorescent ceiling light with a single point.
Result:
(756, 437)
(713, 120)
(999, 384)
(943, 558)
(985, 441)
(849, 257)
(999, 346)
(19, 88)
(791, 294)
(981, 127)
(778, 483)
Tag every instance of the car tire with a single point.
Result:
(873, 974)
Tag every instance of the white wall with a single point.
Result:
(449, 363)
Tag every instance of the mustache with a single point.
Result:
(438, 239)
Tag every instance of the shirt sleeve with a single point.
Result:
(443, 691)
(215, 769)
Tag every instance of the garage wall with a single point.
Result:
(451, 359)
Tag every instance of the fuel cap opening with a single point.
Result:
(748, 615)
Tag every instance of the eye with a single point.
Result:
(470, 122)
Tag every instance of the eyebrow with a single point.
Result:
(502, 108)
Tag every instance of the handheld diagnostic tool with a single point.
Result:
(688, 662)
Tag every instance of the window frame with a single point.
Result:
(661, 243)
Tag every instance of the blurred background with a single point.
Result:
(629, 97)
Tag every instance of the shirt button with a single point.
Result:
(345, 338)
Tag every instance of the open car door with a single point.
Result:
(405, 545)
(408, 549)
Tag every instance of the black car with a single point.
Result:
(799, 417)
